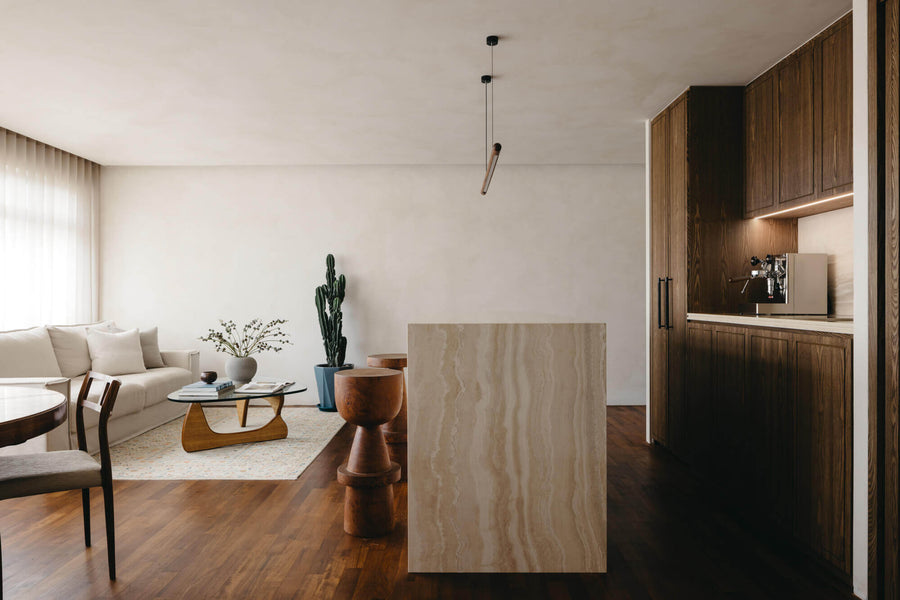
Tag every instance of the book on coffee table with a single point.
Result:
(207, 390)
(263, 387)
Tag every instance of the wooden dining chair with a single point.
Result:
(46, 472)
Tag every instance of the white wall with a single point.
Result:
(861, 300)
(181, 247)
(831, 233)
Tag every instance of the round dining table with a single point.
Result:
(27, 412)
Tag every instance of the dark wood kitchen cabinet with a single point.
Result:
(794, 125)
(698, 237)
(759, 144)
(835, 144)
(770, 422)
(798, 136)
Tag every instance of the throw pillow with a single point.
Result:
(27, 353)
(150, 347)
(70, 346)
(116, 353)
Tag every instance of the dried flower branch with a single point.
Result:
(252, 338)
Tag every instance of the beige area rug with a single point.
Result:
(158, 454)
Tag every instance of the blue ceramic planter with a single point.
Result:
(325, 383)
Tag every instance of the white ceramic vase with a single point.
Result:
(240, 370)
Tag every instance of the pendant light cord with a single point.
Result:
(492, 95)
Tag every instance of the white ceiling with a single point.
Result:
(276, 82)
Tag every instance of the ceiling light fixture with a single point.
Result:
(490, 158)
(801, 207)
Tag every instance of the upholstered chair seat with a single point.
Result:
(47, 472)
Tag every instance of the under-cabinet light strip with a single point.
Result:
(787, 210)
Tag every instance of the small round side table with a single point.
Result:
(368, 398)
(395, 429)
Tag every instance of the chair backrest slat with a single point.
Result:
(104, 406)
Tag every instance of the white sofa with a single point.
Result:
(33, 357)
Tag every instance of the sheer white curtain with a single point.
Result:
(49, 208)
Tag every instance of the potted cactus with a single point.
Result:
(328, 304)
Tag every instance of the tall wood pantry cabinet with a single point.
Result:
(698, 237)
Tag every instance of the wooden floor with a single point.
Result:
(229, 539)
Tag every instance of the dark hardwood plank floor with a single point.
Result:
(668, 539)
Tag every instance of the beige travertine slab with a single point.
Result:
(507, 448)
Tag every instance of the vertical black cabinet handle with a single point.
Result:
(659, 324)
(668, 323)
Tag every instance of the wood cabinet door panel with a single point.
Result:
(822, 437)
(795, 117)
(759, 146)
(659, 236)
(677, 269)
(836, 85)
(730, 465)
(772, 404)
(699, 396)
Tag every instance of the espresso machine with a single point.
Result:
(786, 284)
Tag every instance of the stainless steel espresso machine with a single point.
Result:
(786, 284)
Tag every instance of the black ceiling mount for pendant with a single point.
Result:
(490, 158)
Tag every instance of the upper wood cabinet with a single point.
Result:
(835, 59)
(798, 144)
(759, 143)
(795, 124)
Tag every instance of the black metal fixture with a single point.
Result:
(490, 157)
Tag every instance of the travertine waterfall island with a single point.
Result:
(507, 448)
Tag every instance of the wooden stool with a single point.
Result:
(368, 398)
(394, 430)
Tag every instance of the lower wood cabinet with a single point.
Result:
(767, 416)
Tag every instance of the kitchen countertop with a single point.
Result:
(803, 323)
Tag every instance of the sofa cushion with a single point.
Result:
(150, 347)
(70, 346)
(27, 353)
(138, 390)
(159, 383)
(71, 349)
(130, 400)
(116, 353)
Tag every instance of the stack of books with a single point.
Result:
(207, 390)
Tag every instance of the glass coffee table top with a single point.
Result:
(233, 395)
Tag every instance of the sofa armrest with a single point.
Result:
(186, 359)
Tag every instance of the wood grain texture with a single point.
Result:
(884, 299)
(699, 238)
(822, 384)
(507, 448)
(795, 119)
(759, 145)
(834, 71)
(669, 538)
(395, 429)
(877, 42)
(659, 269)
(780, 434)
(679, 182)
(196, 434)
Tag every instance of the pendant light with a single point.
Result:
(490, 159)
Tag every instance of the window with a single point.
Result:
(48, 244)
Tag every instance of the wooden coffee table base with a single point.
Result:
(196, 433)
